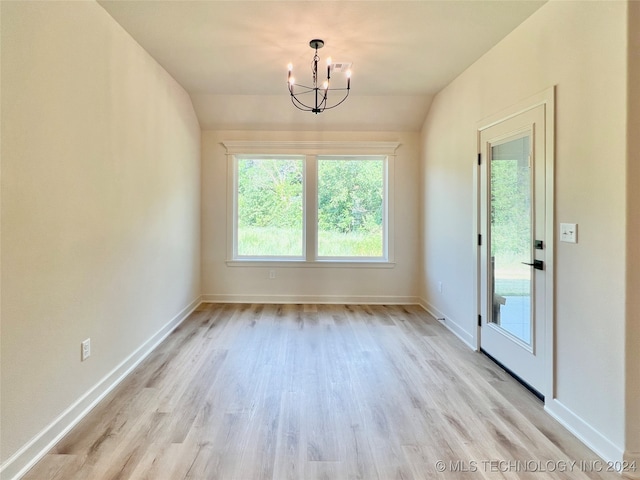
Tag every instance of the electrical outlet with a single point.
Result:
(85, 351)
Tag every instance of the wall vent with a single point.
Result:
(340, 67)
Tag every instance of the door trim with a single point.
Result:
(546, 99)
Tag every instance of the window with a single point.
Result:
(351, 211)
(270, 202)
(309, 207)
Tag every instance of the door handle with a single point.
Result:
(537, 264)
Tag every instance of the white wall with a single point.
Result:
(100, 212)
(221, 282)
(580, 47)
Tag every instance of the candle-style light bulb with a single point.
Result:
(348, 79)
(290, 67)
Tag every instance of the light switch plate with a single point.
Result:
(569, 232)
(85, 351)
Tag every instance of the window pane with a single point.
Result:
(511, 237)
(270, 204)
(350, 207)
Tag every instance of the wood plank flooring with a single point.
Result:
(334, 392)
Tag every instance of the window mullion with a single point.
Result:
(311, 208)
(232, 211)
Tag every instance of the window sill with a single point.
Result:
(315, 264)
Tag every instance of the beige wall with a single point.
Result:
(101, 194)
(580, 47)
(221, 282)
(633, 239)
(100, 207)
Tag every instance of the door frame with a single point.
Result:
(546, 99)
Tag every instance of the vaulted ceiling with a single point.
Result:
(232, 56)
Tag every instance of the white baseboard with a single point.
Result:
(631, 461)
(27, 456)
(588, 435)
(593, 439)
(321, 299)
(452, 325)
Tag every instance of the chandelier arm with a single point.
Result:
(301, 92)
(345, 97)
(322, 105)
(299, 104)
(300, 108)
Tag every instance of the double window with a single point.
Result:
(310, 207)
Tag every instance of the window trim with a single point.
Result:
(311, 150)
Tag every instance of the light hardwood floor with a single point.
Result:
(316, 392)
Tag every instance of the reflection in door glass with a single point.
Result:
(511, 237)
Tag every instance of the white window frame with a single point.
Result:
(234, 201)
(311, 150)
(385, 208)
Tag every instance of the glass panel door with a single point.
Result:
(511, 238)
(512, 217)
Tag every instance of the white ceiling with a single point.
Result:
(232, 56)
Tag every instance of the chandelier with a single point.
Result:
(316, 98)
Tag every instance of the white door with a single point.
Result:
(514, 245)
